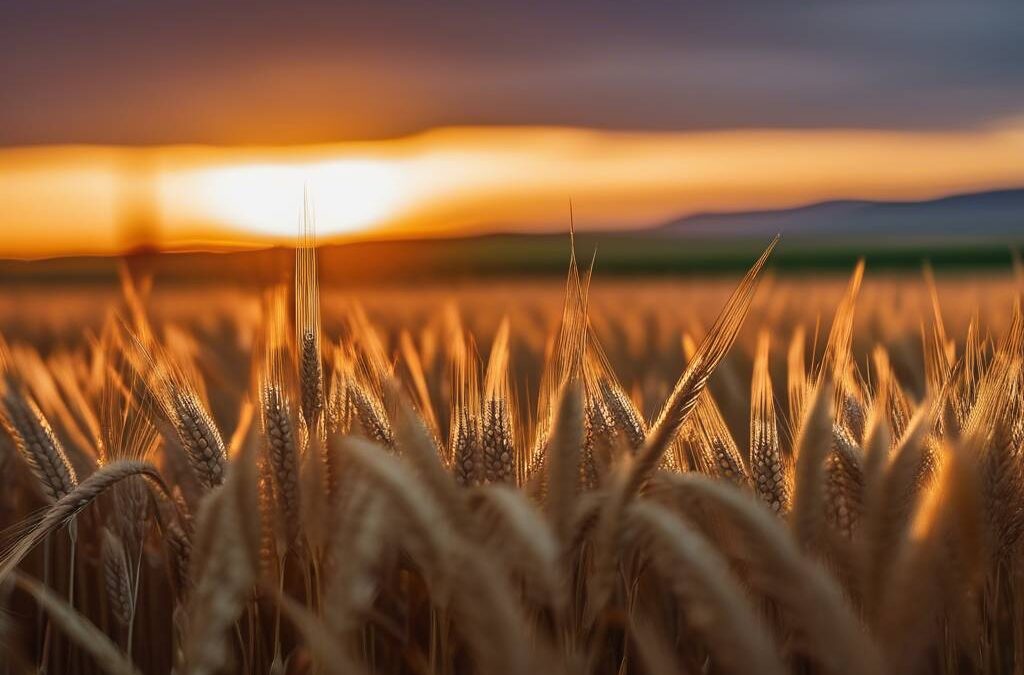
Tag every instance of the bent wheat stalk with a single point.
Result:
(74, 503)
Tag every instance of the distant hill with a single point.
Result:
(967, 231)
(994, 214)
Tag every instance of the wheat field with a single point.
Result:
(755, 475)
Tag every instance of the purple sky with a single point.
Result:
(274, 72)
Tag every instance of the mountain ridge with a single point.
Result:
(987, 213)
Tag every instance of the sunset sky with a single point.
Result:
(199, 123)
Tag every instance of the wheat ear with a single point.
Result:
(307, 322)
(770, 469)
(563, 457)
(813, 603)
(694, 379)
(812, 448)
(36, 443)
(713, 600)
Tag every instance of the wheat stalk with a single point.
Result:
(74, 502)
(84, 633)
(307, 321)
(814, 603)
(715, 603)
(225, 565)
(694, 379)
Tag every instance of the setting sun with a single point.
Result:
(350, 195)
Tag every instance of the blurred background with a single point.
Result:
(450, 139)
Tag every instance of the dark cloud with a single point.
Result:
(148, 72)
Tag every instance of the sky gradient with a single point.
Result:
(269, 72)
(770, 82)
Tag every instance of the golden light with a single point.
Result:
(84, 199)
(349, 195)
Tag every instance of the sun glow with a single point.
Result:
(468, 180)
(350, 195)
